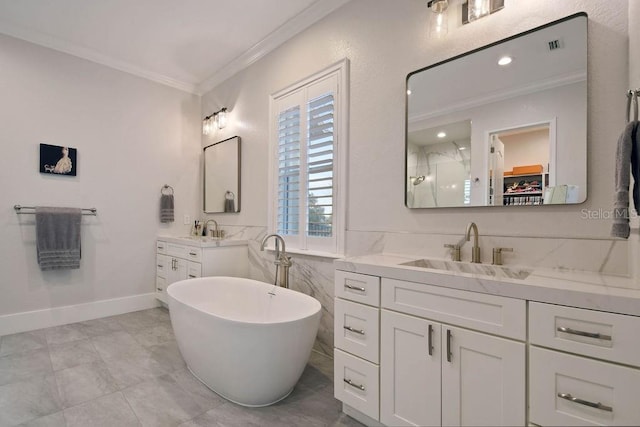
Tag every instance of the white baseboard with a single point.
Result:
(38, 319)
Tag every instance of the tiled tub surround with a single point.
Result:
(127, 371)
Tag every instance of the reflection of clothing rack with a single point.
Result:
(632, 94)
(32, 210)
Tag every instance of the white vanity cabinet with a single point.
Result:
(179, 259)
(583, 367)
(428, 366)
(434, 373)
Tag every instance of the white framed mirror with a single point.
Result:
(503, 125)
(222, 176)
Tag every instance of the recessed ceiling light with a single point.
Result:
(408, 91)
(462, 148)
(505, 60)
(441, 134)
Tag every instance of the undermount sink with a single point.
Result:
(471, 268)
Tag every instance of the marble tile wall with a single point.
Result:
(314, 275)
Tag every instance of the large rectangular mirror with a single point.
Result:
(222, 176)
(503, 125)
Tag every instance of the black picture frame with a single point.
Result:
(58, 160)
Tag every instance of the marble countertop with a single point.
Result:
(617, 294)
(202, 242)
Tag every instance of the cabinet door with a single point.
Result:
(483, 379)
(410, 365)
(177, 270)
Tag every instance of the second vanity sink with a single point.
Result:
(471, 268)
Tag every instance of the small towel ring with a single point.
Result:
(166, 187)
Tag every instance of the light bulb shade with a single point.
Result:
(478, 9)
(222, 118)
(206, 126)
(439, 19)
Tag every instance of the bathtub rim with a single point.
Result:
(317, 312)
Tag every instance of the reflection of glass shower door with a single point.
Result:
(496, 164)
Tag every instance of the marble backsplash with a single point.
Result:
(314, 275)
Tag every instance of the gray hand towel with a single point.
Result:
(166, 208)
(58, 238)
(624, 151)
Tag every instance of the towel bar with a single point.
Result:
(19, 210)
(166, 187)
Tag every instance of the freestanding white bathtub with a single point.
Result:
(246, 340)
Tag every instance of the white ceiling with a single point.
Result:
(189, 44)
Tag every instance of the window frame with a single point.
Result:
(302, 243)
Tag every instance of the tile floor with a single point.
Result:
(127, 371)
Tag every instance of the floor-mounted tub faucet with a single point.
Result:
(475, 251)
(282, 261)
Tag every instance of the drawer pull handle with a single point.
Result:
(584, 334)
(193, 253)
(598, 405)
(191, 276)
(159, 265)
(355, 288)
(159, 289)
(449, 354)
(354, 330)
(352, 384)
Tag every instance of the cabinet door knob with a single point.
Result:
(430, 340)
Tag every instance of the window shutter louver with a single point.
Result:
(320, 154)
(288, 171)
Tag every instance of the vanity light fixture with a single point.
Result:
(505, 60)
(438, 19)
(441, 135)
(473, 10)
(215, 120)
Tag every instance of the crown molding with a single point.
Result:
(54, 43)
(298, 23)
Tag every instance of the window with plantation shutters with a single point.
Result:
(307, 206)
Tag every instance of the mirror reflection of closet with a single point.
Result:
(482, 131)
(222, 176)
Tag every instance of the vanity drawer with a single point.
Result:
(357, 287)
(194, 270)
(586, 381)
(497, 315)
(186, 252)
(161, 289)
(591, 333)
(357, 329)
(161, 246)
(162, 265)
(356, 383)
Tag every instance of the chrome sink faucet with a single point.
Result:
(475, 251)
(212, 232)
(282, 261)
